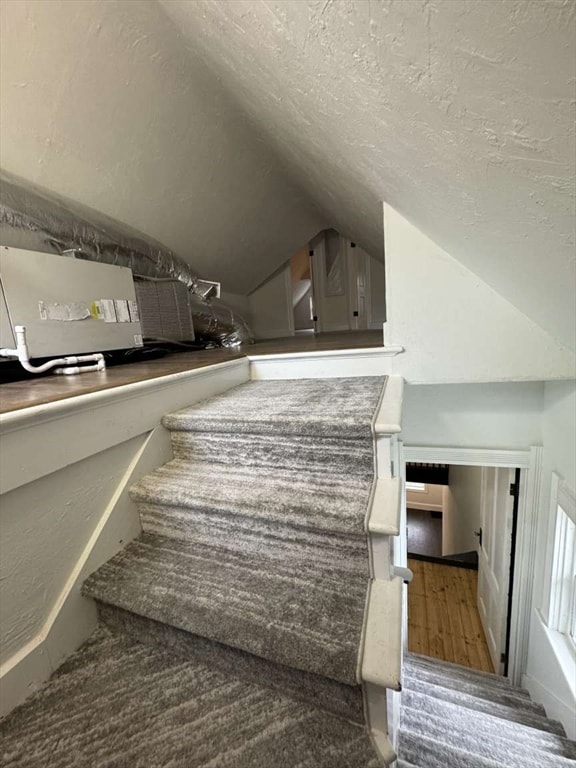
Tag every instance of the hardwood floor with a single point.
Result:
(443, 620)
(47, 389)
(319, 342)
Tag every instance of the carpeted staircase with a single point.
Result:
(454, 717)
(235, 631)
(232, 628)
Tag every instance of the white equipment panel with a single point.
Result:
(68, 306)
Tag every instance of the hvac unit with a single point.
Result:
(67, 306)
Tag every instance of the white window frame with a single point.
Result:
(561, 589)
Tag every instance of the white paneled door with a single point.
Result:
(495, 544)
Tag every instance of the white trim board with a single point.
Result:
(530, 463)
(473, 457)
(100, 420)
(370, 361)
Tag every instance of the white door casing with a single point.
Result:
(495, 544)
(358, 288)
(530, 463)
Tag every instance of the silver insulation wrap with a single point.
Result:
(33, 219)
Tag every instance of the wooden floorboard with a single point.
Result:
(48, 389)
(443, 620)
(320, 342)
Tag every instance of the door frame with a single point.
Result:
(529, 462)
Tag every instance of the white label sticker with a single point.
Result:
(122, 311)
(64, 313)
(134, 313)
(138, 342)
(107, 310)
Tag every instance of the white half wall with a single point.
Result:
(453, 326)
(65, 474)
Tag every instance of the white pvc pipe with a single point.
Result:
(21, 352)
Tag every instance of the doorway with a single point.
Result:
(302, 292)
(463, 517)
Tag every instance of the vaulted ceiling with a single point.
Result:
(458, 113)
(233, 130)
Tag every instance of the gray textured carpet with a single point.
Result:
(453, 717)
(251, 541)
(118, 703)
(316, 407)
(290, 611)
(246, 593)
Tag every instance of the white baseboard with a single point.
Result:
(421, 505)
(73, 617)
(556, 708)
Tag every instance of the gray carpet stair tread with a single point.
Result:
(491, 737)
(323, 501)
(305, 616)
(122, 704)
(508, 696)
(430, 700)
(322, 692)
(428, 753)
(320, 407)
(446, 669)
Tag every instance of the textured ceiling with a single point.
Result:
(458, 113)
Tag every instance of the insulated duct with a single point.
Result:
(34, 219)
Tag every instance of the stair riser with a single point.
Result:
(464, 698)
(338, 699)
(331, 502)
(422, 751)
(237, 534)
(426, 703)
(488, 693)
(490, 738)
(443, 669)
(300, 453)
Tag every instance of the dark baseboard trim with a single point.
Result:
(470, 565)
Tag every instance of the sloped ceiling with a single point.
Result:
(458, 113)
(102, 104)
(233, 130)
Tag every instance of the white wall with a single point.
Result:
(103, 104)
(377, 299)
(551, 673)
(505, 415)
(462, 513)
(238, 303)
(271, 306)
(431, 498)
(453, 326)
